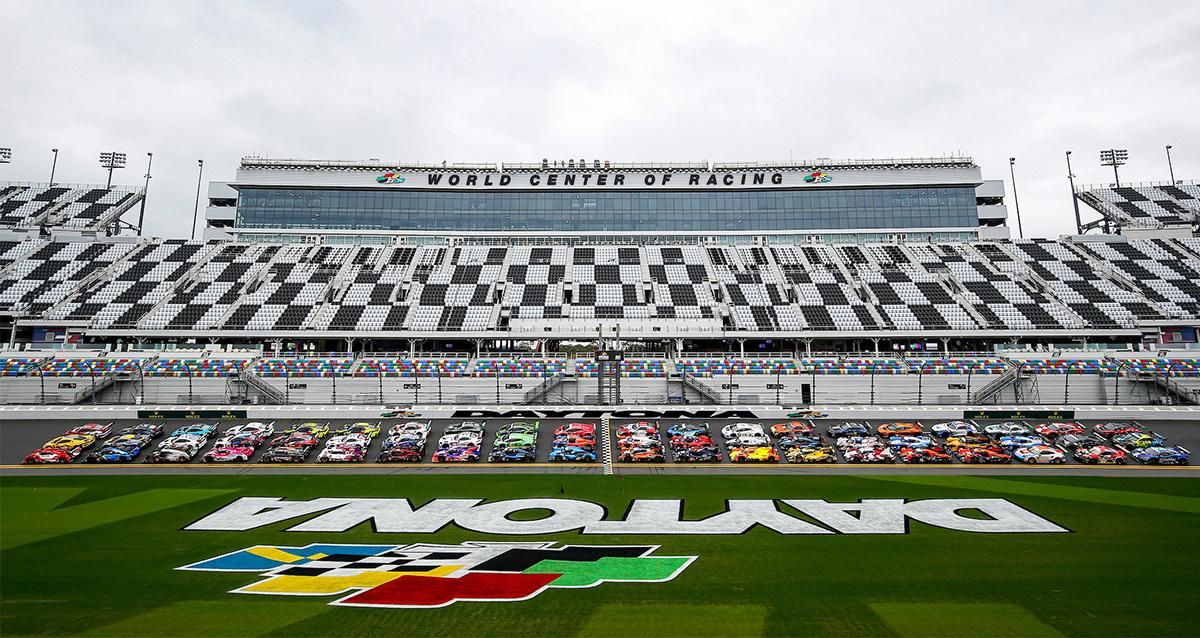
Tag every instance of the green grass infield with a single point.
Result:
(99, 556)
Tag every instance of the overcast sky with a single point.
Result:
(638, 81)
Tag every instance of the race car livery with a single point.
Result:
(228, 454)
(286, 454)
(1113, 428)
(342, 453)
(1055, 429)
(925, 455)
(1072, 442)
(97, 430)
(869, 454)
(1039, 454)
(71, 443)
(968, 454)
(572, 454)
(1008, 428)
(792, 428)
(820, 454)
(642, 455)
(954, 428)
(367, 428)
(900, 428)
(1099, 455)
(513, 455)
(1019, 441)
(756, 454)
(1136, 440)
(111, 454)
(47, 455)
(696, 455)
(915, 442)
(402, 454)
(743, 429)
(1162, 455)
(849, 428)
(956, 443)
(170, 455)
(311, 428)
(457, 454)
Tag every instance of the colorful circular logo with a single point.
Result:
(390, 178)
(817, 177)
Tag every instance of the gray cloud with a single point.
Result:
(635, 81)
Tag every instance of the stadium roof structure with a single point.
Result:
(82, 208)
(1144, 206)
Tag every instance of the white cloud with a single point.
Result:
(638, 81)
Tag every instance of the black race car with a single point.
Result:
(696, 455)
(285, 454)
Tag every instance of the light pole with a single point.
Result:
(111, 161)
(196, 206)
(1074, 199)
(53, 165)
(145, 190)
(1170, 167)
(1114, 157)
(1016, 200)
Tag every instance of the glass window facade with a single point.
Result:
(608, 211)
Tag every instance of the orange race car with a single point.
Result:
(761, 454)
(642, 455)
(900, 429)
(956, 443)
(792, 428)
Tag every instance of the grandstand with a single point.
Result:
(847, 281)
(1141, 208)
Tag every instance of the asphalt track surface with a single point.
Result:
(18, 438)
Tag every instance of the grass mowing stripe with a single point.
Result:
(30, 513)
(1056, 490)
(675, 620)
(189, 618)
(979, 620)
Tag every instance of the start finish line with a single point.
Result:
(644, 516)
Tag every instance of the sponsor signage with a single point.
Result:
(191, 414)
(513, 386)
(67, 386)
(297, 386)
(1056, 415)
(412, 386)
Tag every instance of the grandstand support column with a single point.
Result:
(807, 346)
(350, 344)
(741, 347)
(875, 340)
(945, 345)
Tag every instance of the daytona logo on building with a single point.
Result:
(429, 575)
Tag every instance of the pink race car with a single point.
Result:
(228, 454)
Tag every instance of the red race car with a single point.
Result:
(48, 455)
(1109, 430)
(575, 429)
(1099, 455)
(983, 455)
(1055, 429)
(925, 455)
(98, 430)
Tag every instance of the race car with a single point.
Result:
(735, 430)
(73, 444)
(310, 428)
(849, 428)
(819, 454)
(183, 442)
(1099, 455)
(639, 441)
(1055, 429)
(457, 454)
(859, 441)
(948, 429)
(813, 440)
(97, 430)
(1135, 440)
(1039, 454)
(869, 454)
(902, 428)
(1019, 441)
(792, 428)
(45, 455)
(1007, 428)
(241, 439)
(460, 438)
(916, 442)
(956, 443)
(748, 440)
(1071, 442)
(515, 439)
(110, 454)
(152, 430)
(127, 440)
(925, 455)
(361, 440)
(680, 429)
(692, 441)
(360, 427)
(696, 455)
(296, 439)
(263, 430)
(756, 454)
(465, 427)
(568, 440)
(203, 430)
(572, 454)
(519, 427)
(1162, 455)
(402, 454)
(513, 455)
(403, 441)
(286, 454)
(169, 455)
(228, 454)
(399, 414)
(1111, 429)
(410, 427)
(643, 428)
(342, 453)
(642, 455)
(983, 455)
(808, 414)
(576, 429)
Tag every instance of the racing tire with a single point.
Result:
(1031, 461)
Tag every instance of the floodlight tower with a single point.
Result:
(1170, 166)
(1114, 157)
(111, 161)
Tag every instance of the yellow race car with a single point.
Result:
(760, 454)
(312, 428)
(823, 454)
(71, 441)
(955, 443)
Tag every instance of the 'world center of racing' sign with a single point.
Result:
(644, 516)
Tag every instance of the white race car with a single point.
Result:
(1008, 428)
(1040, 454)
(348, 439)
(257, 427)
(410, 427)
(189, 442)
(735, 430)
(748, 440)
(954, 428)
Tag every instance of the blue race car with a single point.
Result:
(801, 441)
(113, 454)
(685, 429)
(919, 442)
(572, 454)
(202, 430)
(1160, 455)
(849, 428)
